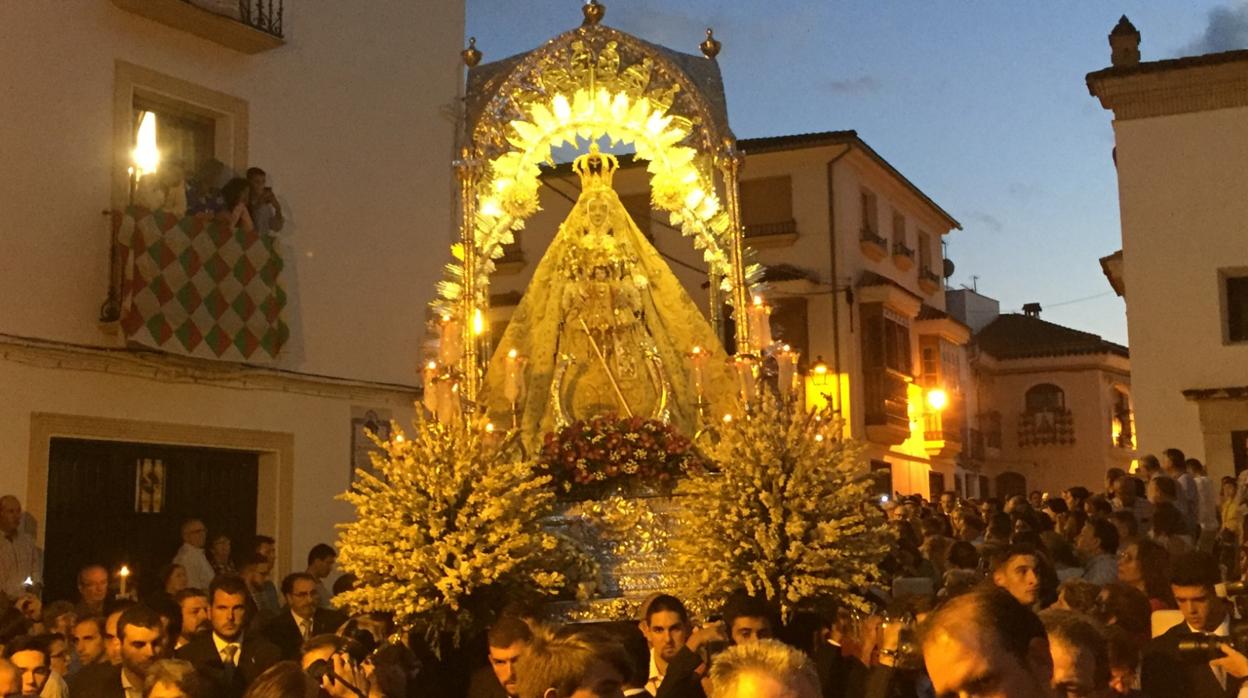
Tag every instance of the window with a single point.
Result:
(889, 334)
(1046, 397)
(925, 251)
(1122, 420)
(767, 205)
(789, 324)
(182, 137)
(870, 213)
(899, 229)
(1236, 290)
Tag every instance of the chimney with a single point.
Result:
(1124, 44)
(1032, 310)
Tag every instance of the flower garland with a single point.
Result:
(786, 513)
(449, 527)
(607, 450)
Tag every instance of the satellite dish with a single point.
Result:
(949, 267)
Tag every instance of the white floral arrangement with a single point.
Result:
(785, 512)
(448, 529)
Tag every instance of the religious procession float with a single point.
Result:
(606, 446)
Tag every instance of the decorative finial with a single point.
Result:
(1124, 44)
(593, 12)
(471, 55)
(710, 47)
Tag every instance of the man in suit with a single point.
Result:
(1166, 672)
(507, 640)
(303, 618)
(255, 572)
(142, 637)
(227, 657)
(834, 667)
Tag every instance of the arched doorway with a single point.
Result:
(1010, 484)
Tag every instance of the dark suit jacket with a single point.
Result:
(681, 679)
(257, 655)
(97, 681)
(283, 632)
(484, 684)
(834, 670)
(1164, 673)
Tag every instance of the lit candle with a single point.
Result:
(758, 316)
(513, 383)
(450, 341)
(745, 374)
(430, 378)
(123, 575)
(448, 401)
(697, 358)
(786, 370)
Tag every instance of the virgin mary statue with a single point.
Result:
(605, 326)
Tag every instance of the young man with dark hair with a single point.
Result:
(141, 636)
(228, 657)
(748, 618)
(666, 628)
(321, 559)
(87, 640)
(193, 603)
(986, 643)
(1015, 569)
(31, 658)
(1097, 544)
(254, 571)
(507, 640)
(1174, 463)
(1166, 672)
(302, 618)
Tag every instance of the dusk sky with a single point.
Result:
(982, 105)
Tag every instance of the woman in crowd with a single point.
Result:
(1145, 565)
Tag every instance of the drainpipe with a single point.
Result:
(836, 291)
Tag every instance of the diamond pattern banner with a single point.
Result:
(193, 286)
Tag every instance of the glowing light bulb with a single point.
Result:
(937, 399)
(146, 155)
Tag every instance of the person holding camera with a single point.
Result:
(266, 212)
(1186, 659)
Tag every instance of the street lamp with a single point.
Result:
(937, 399)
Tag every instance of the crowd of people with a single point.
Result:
(213, 191)
(1129, 590)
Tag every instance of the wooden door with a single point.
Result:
(112, 503)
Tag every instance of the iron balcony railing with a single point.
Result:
(764, 229)
(265, 15)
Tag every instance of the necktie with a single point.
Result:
(305, 627)
(228, 655)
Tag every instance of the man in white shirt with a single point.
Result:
(20, 559)
(191, 556)
(1206, 504)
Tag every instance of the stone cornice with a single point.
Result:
(170, 368)
(1180, 86)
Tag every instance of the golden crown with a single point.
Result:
(596, 169)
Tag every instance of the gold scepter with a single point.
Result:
(610, 376)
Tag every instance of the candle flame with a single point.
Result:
(146, 155)
(432, 365)
(478, 322)
(727, 418)
(758, 300)
(123, 572)
(398, 438)
(446, 317)
(696, 349)
(511, 354)
(489, 427)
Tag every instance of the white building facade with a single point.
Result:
(347, 111)
(1181, 148)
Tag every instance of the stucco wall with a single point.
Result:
(1181, 191)
(347, 118)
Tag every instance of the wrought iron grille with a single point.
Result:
(265, 15)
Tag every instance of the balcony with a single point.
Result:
(247, 26)
(512, 261)
(781, 234)
(1051, 427)
(903, 257)
(873, 246)
(191, 285)
(887, 411)
(929, 282)
(942, 431)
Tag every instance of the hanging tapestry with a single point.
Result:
(192, 286)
